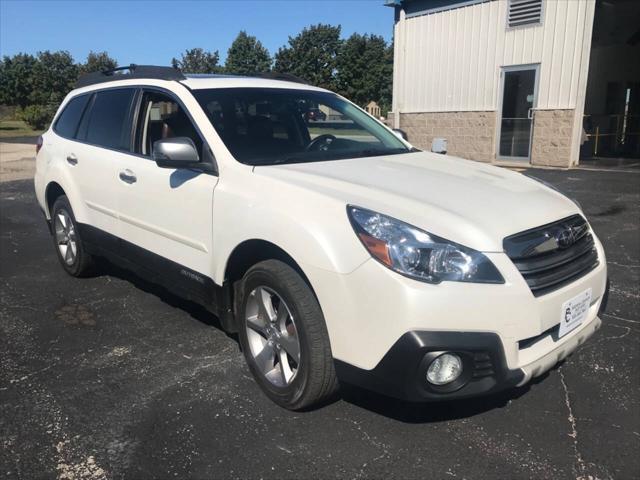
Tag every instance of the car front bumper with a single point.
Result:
(402, 373)
(381, 326)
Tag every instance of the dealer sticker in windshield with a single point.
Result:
(574, 312)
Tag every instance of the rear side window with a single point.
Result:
(67, 123)
(108, 123)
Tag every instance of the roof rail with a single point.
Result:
(288, 77)
(135, 71)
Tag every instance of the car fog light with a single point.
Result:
(444, 369)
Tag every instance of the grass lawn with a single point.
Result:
(16, 128)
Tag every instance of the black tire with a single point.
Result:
(83, 263)
(315, 379)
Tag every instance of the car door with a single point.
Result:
(166, 212)
(102, 139)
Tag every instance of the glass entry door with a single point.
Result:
(516, 120)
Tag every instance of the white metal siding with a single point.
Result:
(450, 60)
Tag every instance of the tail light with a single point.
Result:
(39, 144)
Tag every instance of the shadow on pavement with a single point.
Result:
(429, 412)
(403, 411)
(195, 310)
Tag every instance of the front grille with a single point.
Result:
(553, 255)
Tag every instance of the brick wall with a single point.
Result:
(469, 134)
(552, 131)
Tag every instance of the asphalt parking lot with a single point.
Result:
(111, 377)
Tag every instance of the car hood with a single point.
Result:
(468, 202)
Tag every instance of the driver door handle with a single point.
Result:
(127, 176)
(72, 159)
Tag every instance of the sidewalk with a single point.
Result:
(17, 161)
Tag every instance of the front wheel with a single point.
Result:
(284, 337)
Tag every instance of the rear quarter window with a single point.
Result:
(67, 123)
(108, 123)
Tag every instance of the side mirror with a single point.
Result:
(400, 133)
(176, 152)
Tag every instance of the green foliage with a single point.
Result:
(97, 62)
(16, 79)
(247, 56)
(311, 55)
(44, 80)
(364, 70)
(41, 80)
(198, 60)
(38, 116)
(360, 68)
(53, 76)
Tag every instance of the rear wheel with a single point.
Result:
(284, 337)
(66, 238)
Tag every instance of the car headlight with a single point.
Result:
(418, 254)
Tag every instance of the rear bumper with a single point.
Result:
(402, 371)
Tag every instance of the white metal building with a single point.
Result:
(508, 80)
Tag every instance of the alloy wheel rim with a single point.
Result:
(272, 336)
(65, 233)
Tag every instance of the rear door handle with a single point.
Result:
(127, 176)
(72, 159)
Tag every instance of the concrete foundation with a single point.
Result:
(551, 143)
(469, 134)
(473, 135)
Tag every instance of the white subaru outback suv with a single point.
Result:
(334, 249)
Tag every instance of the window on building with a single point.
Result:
(524, 12)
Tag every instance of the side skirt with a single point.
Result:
(174, 277)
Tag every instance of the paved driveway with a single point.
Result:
(16, 161)
(111, 377)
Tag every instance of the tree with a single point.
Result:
(38, 116)
(97, 62)
(16, 79)
(247, 55)
(386, 92)
(311, 55)
(198, 60)
(365, 70)
(54, 75)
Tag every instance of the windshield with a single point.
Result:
(266, 126)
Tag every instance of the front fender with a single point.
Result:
(312, 228)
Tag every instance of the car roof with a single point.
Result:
(199, 82)
(134, 74)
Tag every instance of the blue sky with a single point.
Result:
(152, 32)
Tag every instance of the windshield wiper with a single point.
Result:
(376, 152)
(293, 159)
